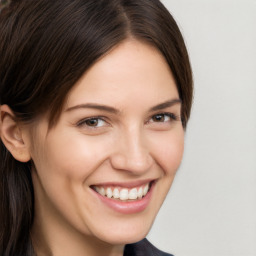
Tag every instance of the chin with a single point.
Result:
(124, 237)
(125, 232)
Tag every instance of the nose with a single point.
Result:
(132, 153)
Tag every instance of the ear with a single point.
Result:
(12, 135)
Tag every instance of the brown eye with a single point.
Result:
(92, 122)
(163, 118)
(158, 118)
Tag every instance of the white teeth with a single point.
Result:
(145, 190)
(116, 193)
(140, 193)
(123, 194)
(100, 190)
(133, 193)
(109, 192)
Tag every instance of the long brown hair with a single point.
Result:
(45, 47)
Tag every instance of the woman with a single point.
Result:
(95, 97)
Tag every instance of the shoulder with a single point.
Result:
(143, 248)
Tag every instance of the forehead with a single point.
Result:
(133, 71)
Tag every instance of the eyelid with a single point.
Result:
(173, 116)
(83, 121)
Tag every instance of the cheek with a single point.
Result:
(168, 150)
(74, 156)
(66, 162)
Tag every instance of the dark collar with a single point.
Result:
(143, 248)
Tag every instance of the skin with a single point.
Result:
(131, 144)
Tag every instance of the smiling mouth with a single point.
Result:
(122, 193)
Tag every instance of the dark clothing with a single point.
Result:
(143, 248)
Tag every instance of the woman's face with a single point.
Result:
(104, 170)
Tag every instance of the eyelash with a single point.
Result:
(84, 121)
(172, 117)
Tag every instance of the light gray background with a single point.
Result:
(211, 208)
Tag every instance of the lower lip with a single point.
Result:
(127, 207)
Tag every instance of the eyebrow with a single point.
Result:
(160, 106)
(94, 106)
(166, 104)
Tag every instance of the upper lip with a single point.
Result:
(130, 184)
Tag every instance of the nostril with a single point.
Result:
(132, 164)
(132, 153)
